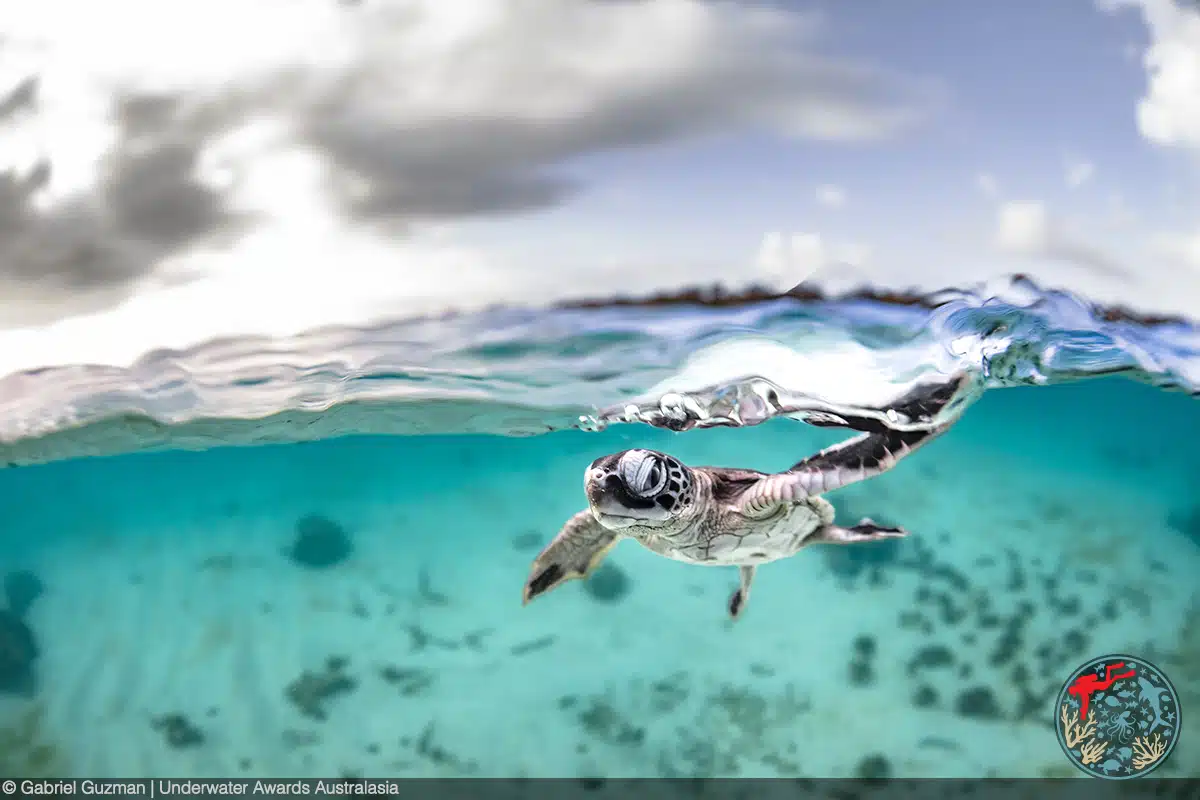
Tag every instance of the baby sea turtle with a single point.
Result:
(716, 516)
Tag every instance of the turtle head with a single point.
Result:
(639, 489)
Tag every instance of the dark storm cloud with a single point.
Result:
(152, 193)
(146, 205)
(487, 155)
(450, 168)
(473, 164)
(21, 98)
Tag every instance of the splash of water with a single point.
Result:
(676, 365)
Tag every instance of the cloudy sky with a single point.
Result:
(170, 171)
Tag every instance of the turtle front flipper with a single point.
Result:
(579, 547)
(872, 453)
(851, 461)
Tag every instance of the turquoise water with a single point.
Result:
(179, 634)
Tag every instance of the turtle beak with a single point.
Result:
(616, 522)
(611, 503)
(594, 486)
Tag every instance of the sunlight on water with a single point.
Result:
(353, 605)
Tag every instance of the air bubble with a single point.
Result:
(590, 424)
(673, 406)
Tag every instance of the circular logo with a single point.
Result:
(1117, 717)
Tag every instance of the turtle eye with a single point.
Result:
(644, 476)
(653, 477)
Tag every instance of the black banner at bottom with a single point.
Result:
(1082, 788)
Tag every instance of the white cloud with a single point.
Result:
(1027, 229)
(987, 184)
(1182, 249)
(1169, 114)
(809, 253)
(298, 270)
(425, 109)
(1023, 228)
(831, 196)
(854, 254)
(181, 164)
(786, 260)
(1079, 172)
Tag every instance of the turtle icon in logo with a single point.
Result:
(1117, 717)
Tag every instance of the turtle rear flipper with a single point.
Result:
(737, 600)
(865, 531)
(577, 550)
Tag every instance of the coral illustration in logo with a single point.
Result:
(1117, 717)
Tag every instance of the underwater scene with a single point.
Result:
(311, 562)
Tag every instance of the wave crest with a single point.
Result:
(683, 361)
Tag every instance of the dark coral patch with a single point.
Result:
(18, 651)
(320, 542)
(21, 589)
(608, 584)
